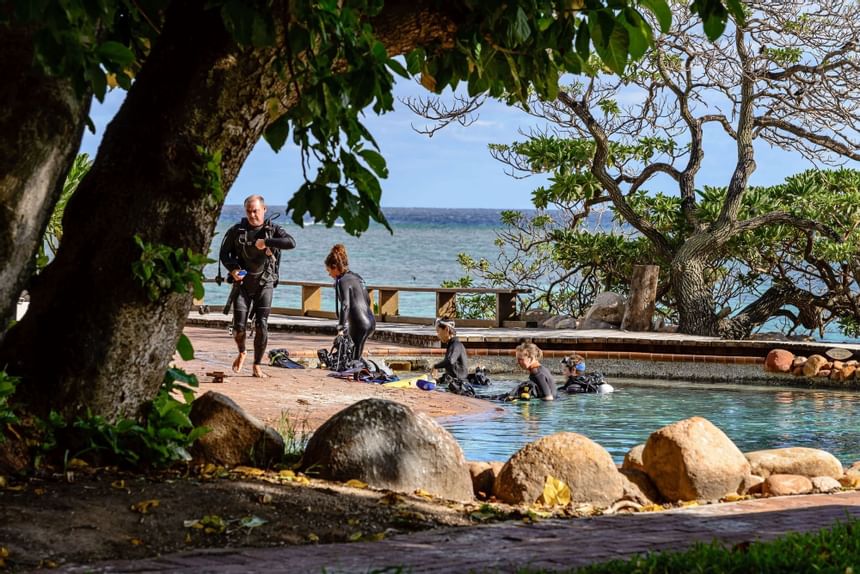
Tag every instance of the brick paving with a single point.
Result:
(504, 547)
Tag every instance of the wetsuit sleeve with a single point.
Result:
(226, 255)
(446, 362)
(280, 239)
(459, 361)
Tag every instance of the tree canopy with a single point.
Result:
(787, 76)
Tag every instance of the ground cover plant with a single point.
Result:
(833, 550)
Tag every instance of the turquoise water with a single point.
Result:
(753, 417)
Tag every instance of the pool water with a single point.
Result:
(754, 417)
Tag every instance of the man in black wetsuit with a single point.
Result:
(251, 252)
(455, 362)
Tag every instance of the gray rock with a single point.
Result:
(825, 484)
(608, 307)
(585, 466)
(694, 460)
(388, 445)
(235, 437)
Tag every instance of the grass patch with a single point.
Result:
(833, 550)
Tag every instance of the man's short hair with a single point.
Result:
(252, 198)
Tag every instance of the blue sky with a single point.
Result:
(453, 168)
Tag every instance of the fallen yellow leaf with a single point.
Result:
(352, 521)
(144, 506)
(301, 479)
(689, 503)
(423, 493)
(38, 491)
(355, 536)
(77, 464)
(652, 508)
(118, 484)
(555, 492)
(391, 499)
(355, 483)
(136, 541)
(2, 481)
(375, 537)
(249, 471)
(4, 552)
(265, 499)
(313, 537)
(289, 474)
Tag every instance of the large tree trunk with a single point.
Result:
(694, 297)
(41, 119)
(642, 298)
(91, 338)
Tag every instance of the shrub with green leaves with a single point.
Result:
(833, 550)
(7, 389)
(162, 269)
(157, 439)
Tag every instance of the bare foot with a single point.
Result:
(258, 372)
(237, 364)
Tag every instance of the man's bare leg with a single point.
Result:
(258, 372)
(240, 360)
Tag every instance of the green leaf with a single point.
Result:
(583, 41)
(116, 53)
(611, 41)
(184, 347)
(375, 161)
(379, 52)
(661, 10)
(520, 28)
(277, 132)
(397, 68)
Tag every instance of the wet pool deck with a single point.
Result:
(551, 545)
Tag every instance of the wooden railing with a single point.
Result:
(386, 301)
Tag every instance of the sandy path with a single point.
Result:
(308, 396)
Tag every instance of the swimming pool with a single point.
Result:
(754, 417)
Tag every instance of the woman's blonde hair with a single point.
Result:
(337, 258)
(530, 350)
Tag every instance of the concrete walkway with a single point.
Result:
(554, 545)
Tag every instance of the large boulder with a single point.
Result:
(692, 459)
(234, 437)
(639, 487)
(388, 445)
(800, 460)
(608, 307)
(582, 464)
(779, 361)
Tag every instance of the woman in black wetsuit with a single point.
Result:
(352, 302)
(455, 362)
(540, 379)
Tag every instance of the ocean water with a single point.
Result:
(421, 252)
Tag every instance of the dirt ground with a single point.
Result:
(84, 515)
(87, 517)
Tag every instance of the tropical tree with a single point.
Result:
(215, 76)
(788, 76)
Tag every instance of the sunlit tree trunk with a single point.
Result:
(41, 119)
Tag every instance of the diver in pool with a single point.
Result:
(455, 363)
(541, 384)
(578, 381)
